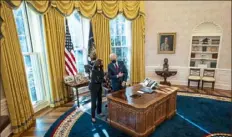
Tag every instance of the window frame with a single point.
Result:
(83, 47)
(126, 33)
(28, 28)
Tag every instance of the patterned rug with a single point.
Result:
(196, 117)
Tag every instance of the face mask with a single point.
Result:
(94, 58)
(113, 61)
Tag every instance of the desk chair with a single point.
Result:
(107, 84)
(194, 76)
(208, 77)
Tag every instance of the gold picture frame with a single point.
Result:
(167, 43)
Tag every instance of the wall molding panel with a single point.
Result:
(4, 111)
(222, 76)
(4, 108)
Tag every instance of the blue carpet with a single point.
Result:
(196, 117)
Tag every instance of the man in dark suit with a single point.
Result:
(117, 72)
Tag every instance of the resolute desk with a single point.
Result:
(139, 116)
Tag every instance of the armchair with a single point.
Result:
(107, 84)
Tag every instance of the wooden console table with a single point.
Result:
(139, 116)
(165, 75)
(76, 86)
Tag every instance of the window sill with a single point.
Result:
(40, 105)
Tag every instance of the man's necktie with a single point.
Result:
(116, 66)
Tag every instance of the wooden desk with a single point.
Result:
(165, 75)
(140, 116)
(76, 86)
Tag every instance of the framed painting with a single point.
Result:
(166, 43)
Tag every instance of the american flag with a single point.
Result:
(70, 61)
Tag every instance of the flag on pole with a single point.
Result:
(70, 61)
(91, 47)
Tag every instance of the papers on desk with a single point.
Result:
(141, 92)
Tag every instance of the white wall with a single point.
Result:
(182, 17)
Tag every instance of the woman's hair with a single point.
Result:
(97, 63)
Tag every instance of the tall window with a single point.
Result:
(30, 32)
(120, 33)
(79, 31)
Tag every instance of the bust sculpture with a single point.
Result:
(165, 65)
(165, 73)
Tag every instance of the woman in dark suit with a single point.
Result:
(97, 79)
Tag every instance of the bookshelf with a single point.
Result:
(204, 51)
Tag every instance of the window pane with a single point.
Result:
(119, 53)
(27, 61)
(120, 44)
(77, 27)
(21, 30)
(29, 28)
(123, 29)
(113, 49)
(80, 63)
(23, 43)
(118, 30)
(112, 41)
(20, 26)
(123, 40)
(30, 78)
(112, 29)
(118, 41)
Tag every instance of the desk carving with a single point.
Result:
(140, 116)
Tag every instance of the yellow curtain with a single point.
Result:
(110, 8)
(13, 74)
(87, 8)
(130, 9)
(101, 34)
(138, 41)
(100, 12)
(40, 6)
(55, 38)
(65, 7)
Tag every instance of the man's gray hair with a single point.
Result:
(112, 55)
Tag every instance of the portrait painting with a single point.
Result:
(166, 43)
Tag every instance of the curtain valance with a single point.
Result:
(130, 9)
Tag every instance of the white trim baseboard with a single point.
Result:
(222, 76)
(4, 111)
(6, 132)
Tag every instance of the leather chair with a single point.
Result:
(106, 85)
(208, 77)
(194, 76)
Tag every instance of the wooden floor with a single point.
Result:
(48, 116)
(45, 119)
